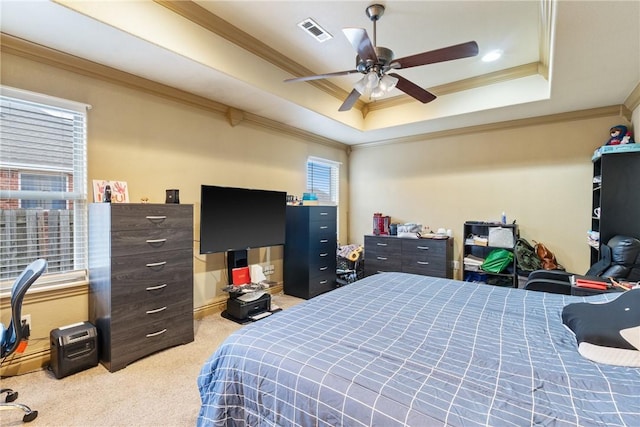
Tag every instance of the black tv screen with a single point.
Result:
(239, 218)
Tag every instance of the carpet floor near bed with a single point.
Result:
(159, 390)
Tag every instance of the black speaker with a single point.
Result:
(74, 348)
(173, 196)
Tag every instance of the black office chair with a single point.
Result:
(10, 337)
(620, 259)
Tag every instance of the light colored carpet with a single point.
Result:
(159, 390)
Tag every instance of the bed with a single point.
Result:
(397, 349)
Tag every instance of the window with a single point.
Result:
(43, 182)
(323, 178)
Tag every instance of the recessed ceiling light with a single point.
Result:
(492, 56)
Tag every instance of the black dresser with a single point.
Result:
(140, 278)
(427, 257)
(310, 251)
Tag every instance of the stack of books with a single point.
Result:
(472, 263)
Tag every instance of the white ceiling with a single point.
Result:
(593, 56)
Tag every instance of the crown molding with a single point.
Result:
(38, 53)
(520, 71)
(633, 100)
(213, 23)
(19, 47)
(613, 110)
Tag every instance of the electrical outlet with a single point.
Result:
(456, 265)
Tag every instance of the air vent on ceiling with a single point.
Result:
(315, 30)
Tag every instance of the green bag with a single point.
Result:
(526, 258)
(497, 260)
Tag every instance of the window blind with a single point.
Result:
(43, 186)
(323, 179)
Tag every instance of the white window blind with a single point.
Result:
(323, 179)
(43, 186)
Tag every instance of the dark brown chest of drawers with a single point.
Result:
(141, 279)
(310, 251)
(427, 257)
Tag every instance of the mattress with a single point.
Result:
(397, 349)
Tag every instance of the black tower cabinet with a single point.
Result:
(310, 251)
(616, 191)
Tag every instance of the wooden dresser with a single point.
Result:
(427, 257)
(141, 279)
(310, 251)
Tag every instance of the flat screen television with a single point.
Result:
(237, 219)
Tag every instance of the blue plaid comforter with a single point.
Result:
(396, 349)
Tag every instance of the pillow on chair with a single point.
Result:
(608, 332)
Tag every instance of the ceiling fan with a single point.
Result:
(376, 62)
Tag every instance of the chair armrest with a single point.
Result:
(559, 275)
(548, 285)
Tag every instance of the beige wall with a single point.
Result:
(539, 175)
(155, 143)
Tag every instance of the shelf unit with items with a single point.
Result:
(481, 238)
(615, 205)
(594, 234)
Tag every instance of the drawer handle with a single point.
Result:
(324, 254)
(156, 240)
(155, 288)
(381, 258)
(155, 334)
(322, 227)
(156, 264)
(423, 262)
(323, 282)
(381, 244)
(426, 248)
(323, 268)
(156, 217)
(324, 213)
(157, 310)
(324, 240)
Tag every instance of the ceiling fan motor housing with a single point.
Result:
(385, 56)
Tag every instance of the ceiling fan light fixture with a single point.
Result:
(377, 92)
(387, 83)
(371, 80)
(361, 85)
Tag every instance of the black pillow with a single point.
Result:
(607, 332)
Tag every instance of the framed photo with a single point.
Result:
(119, 191)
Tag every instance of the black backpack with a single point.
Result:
(526, 258)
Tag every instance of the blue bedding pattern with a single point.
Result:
(397, 349)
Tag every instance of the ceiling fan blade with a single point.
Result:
(463, 50)
(350, 101)
(361, 43)
(413, 89)
(321, 76)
